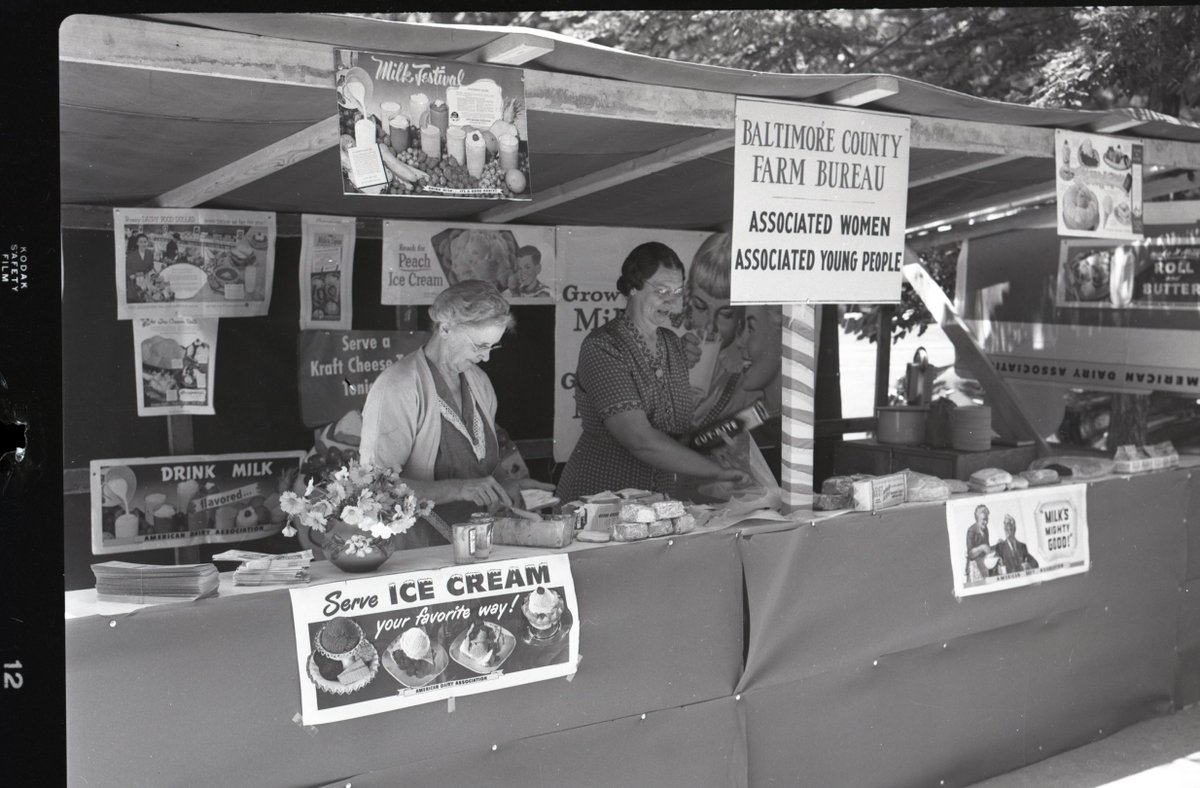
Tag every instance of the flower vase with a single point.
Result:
(351, 549)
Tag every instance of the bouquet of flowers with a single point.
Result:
(358, 494)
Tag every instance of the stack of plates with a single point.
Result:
(971, 428)
(121, 581)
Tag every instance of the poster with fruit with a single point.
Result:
(1156, 273)
(1099, 183)
(442, 128)
(392, 641)
(153, 503)
(326, 271)
(421, 259)
(176, 358)
(192, 262)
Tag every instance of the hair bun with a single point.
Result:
(623, 285)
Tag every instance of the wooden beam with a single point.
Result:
(511, 49)
(276, 156)
(159, 46)
(135, 43)
(962, 169)
(864, 91)
(670, 156)
(1003, 400)
(975, 209)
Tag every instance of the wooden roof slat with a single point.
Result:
(672, 155)
(962, 169)
(289, 150)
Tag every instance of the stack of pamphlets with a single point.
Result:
(121, 581)
(260, 569)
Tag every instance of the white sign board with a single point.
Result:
(819, 202)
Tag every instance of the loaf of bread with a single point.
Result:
(837, 485)
(592, 536)
(823, 502)
(922, 487)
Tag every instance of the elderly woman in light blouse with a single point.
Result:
(432, 413)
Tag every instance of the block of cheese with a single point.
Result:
(630, 532)
(592, 536)
(526, 533)
(637, 513)
(660, 528)
(879, 492)
(666, 510)
(823, 502)
(684, 523)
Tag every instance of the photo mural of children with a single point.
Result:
(529, 267)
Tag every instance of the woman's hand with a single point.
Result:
(514, 486)
(484, 491)
(738, 478)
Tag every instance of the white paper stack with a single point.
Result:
(122, 581)
(260, 569)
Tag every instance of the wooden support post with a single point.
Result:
(180, 441)
(829, 392)
(883, 354)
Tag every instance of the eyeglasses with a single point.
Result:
(666, 292)
(483, 347)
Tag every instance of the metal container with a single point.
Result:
(900, 425)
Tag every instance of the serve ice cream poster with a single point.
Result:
(153, 503)
(184, 262)
(385, 642)
(176, 359)
(421, 127)
(420, 259)
(1099, 185)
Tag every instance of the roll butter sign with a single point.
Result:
(820, 196)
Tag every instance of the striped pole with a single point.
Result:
(799, 379)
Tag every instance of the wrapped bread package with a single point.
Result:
(1018, 482)
(924, 488)
(684, 523)
(1040, 477)
(701, 514)
(666, 510)
(989, 480)
(637, 513)
(956, 486)
(879, 492)
(595, 516)
(630, 532)
(660, 528)
(837, 485)
(592, 536)
(823, 502)
(527, 533)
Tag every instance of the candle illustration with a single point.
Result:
(476, 153)
(456, 144)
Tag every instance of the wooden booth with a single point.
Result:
(810, 650)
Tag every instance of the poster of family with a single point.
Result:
(1017, 538)
(188, 262)
(392, 641)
